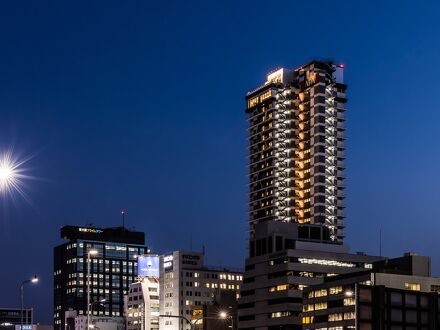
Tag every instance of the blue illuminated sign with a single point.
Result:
(148, 265)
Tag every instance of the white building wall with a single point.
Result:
(187, 284)
(142, 305)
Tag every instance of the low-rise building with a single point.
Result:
(281, 265)
(187, 284)
(142, 300)
(10, 317)
(396, 294)
(100, 323)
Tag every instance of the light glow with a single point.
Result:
(349, 293)
(8, 173)
(12, 175)
(93, 252)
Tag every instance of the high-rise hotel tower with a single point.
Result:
(296, 183)
(296, 151)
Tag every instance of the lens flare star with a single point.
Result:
(8, 174)
(12, 175)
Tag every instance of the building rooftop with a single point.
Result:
(113, 234)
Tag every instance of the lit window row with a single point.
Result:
(412, 286)
(326, 262)
(315, 307)
(280, 314)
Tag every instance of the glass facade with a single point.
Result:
(112, 269)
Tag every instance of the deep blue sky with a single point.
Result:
(139, 105)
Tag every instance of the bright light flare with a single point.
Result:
(12, 175)
(8, 173)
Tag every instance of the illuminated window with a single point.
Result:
(349, 316)
(308, 308)
(281, 287)
(335, 290)
(320, 293)
(349, 301)
(320, 305)
(308, 319)
(325, 262)
(280, 314)
(412, 286)
(265, 95)
(252, 102)
(335, 317)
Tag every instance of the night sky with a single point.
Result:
(139, 105)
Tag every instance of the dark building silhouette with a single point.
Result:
(112, 270)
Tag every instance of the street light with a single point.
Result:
(91, 252)
(31, 280)
(223, 315)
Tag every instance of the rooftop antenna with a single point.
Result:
(380, 242)
(123, 217)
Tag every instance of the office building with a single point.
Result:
(396, 294)
(283, 266)
(296, 193)
(113, 268)
(187, 284)
(142, 301)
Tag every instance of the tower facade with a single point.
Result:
(296, 150)
(296, 184)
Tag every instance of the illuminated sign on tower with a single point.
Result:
(148, 265)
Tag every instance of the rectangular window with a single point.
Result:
(412, 286)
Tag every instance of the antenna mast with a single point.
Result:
(123, 217)
(380, 242)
